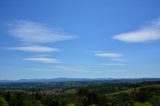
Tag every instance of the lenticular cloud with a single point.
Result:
(147, 33)
(31, 32)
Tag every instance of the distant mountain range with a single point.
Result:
(111, 80)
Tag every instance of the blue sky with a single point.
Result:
(79, 39)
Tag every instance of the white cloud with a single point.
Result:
(72, 68)
(115, 64)
(34, 48)
(109, 55)
(119, 59)
(30, 32)
(116, 58)
(118, 70)
(42, 59)
(150, 32)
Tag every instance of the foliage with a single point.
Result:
(142, 104)
(103, 94)
(3, 102)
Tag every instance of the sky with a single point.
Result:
(79, 39)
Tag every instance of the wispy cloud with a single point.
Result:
(33, 35)
(72, 68)
(34, 48)
(31, 32)
(119, 59)
(118, 70)
(109, 55)
(149, 32)
(115, 64)
(116, 59)
(42, 59)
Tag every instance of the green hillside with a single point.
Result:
(81, 94)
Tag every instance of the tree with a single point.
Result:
(155, 100)
(124, 99)
(37, 103)
(83, 92)
(3, 102)
(103, 100)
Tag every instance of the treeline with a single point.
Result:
(143, 96)
(148, 95)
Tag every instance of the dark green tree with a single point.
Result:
(3, 102)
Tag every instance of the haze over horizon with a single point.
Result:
(79, 39)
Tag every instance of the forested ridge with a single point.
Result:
(87, 93)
